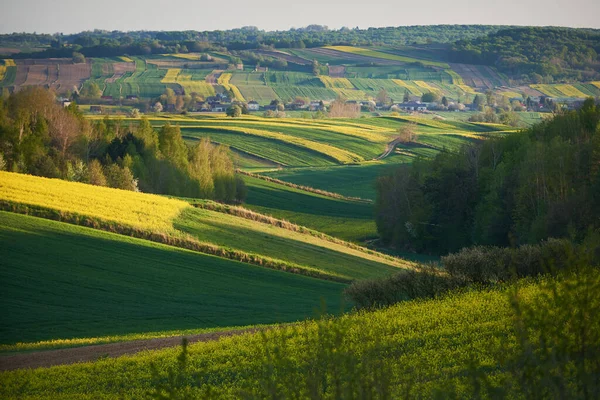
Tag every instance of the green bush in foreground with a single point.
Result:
(478, 265)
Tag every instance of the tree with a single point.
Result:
(78, 58)
(172, 146)
(200, 168)
(158, 107)
(407, 133)
(120, 178)
(91, 89)
(316, 68)
(478, 102)
(444, 101)
(383, 97)
(406, 96)
(234, 111)
(95, 174)
(430, 97)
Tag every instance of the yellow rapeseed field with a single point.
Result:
(224, 80)
(571, 91)
(341, 83)
(412, 88)
(171, 76)
(125, 58)
(138, 210)
(427, 86)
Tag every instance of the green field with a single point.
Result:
(344, 219)
(351, 180)
(65, 281)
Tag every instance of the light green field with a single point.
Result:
(278, 243)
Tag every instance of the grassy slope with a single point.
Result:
(430, 343)
(343, 219)
(61, 281)
(252, 237)
(179, 219)
(350, 180)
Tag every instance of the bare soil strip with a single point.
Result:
(49, 358)
(389, 148)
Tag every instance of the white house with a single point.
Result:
(253, 106)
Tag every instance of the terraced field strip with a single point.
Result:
(596, 83)
(427, 86)
(340, 83)
(413, 88)
(337, 154)
(423, 345)
(385, 56)
(224, 80)
(371, 134)
(203, 231)
(188, 83)
(280, 153)
(571, 91)
(548, 90)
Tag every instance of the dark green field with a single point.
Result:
(64, 281)
(344, 219)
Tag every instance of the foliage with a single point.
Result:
(475, 266)
(39, 137)
(519, 189)
(526, 51)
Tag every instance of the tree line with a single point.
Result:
(101, 43)
(41, 137)
(519, 189)
(539, 55)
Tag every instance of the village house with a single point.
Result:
(412, 106)
(253, 106)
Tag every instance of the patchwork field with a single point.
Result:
(579, 90)
(354, 73)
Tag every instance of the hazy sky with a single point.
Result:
(68, 16)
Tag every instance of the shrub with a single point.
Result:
(426, 281)
(478, 265)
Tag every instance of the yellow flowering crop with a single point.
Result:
(138, 210)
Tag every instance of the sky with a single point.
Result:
(71, 16)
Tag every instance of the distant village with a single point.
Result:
(221, 102)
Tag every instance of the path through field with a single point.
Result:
(49, 358)
(213, 77)
(389, 148)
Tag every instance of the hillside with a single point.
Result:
(206, 231)
(61, 281)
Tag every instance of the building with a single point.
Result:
(96, 109)
(253, 106)
(413, 106)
